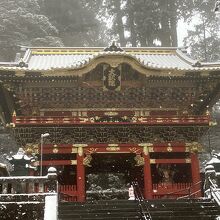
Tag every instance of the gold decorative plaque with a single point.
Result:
(113, 148)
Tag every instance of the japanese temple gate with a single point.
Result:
(150, 103)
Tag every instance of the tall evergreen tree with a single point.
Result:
(77, 24)
(22, 23)
(204, 38)
(143, 22)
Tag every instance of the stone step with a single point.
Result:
(101, 202)
(192, 217)
(184, 213)
(124, 209)
(99, 210)
(162, 206)
(148, 201)
(92, 207)
(172, 206)
(107, 214)
(106, 218)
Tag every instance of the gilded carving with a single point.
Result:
(111, 113)
(55, 150)
(152, 161)
(11, 125)
(73, 162)
(150, 149)
(92, 119)
(20, 73)
(14, 113)
(111, 78)
(79, 148)
(80, 145)
(186, 149)
(31, 149)
(113, 148)
(188, 160)
(134, 119)
(145, 145)
(8, 86)
(74, 150)
(194, 147)
(139, 160)
(213, 123)
(169, 149)
(87, 160)
(112, 145)
(134, 150)
(91, 150)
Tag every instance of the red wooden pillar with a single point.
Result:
(14, 118)
(80, 176)
(195, 173)
(147, 177)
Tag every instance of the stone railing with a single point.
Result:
(29, 184)
(212, 179)
(29, 197)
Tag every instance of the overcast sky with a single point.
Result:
(181, 32)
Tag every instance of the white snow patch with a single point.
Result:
(51, 205)
(21, 203)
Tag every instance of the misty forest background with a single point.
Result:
(136, 23)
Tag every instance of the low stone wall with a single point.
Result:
(23, 198)
(22, 211)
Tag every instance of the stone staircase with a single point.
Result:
(114, 209)
(195, 209)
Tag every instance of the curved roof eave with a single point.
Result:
(144, 60)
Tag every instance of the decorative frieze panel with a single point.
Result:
(109, 86)
(109, 134)
(32, 100)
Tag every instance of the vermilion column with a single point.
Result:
(195, 173)
(147, 177)
(80, 176)
(14, 118)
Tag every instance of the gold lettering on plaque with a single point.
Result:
(113, 148)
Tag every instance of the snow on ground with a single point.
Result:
(51, 207)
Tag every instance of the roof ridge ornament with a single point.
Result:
(197, 64)
(113, 47)
(21, 63)
(184, 49)
(217, 7)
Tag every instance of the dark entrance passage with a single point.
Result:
(110, 176)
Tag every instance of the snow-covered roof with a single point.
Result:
(61, 58)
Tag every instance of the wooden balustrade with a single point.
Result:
(68, 193)
(170, 190)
